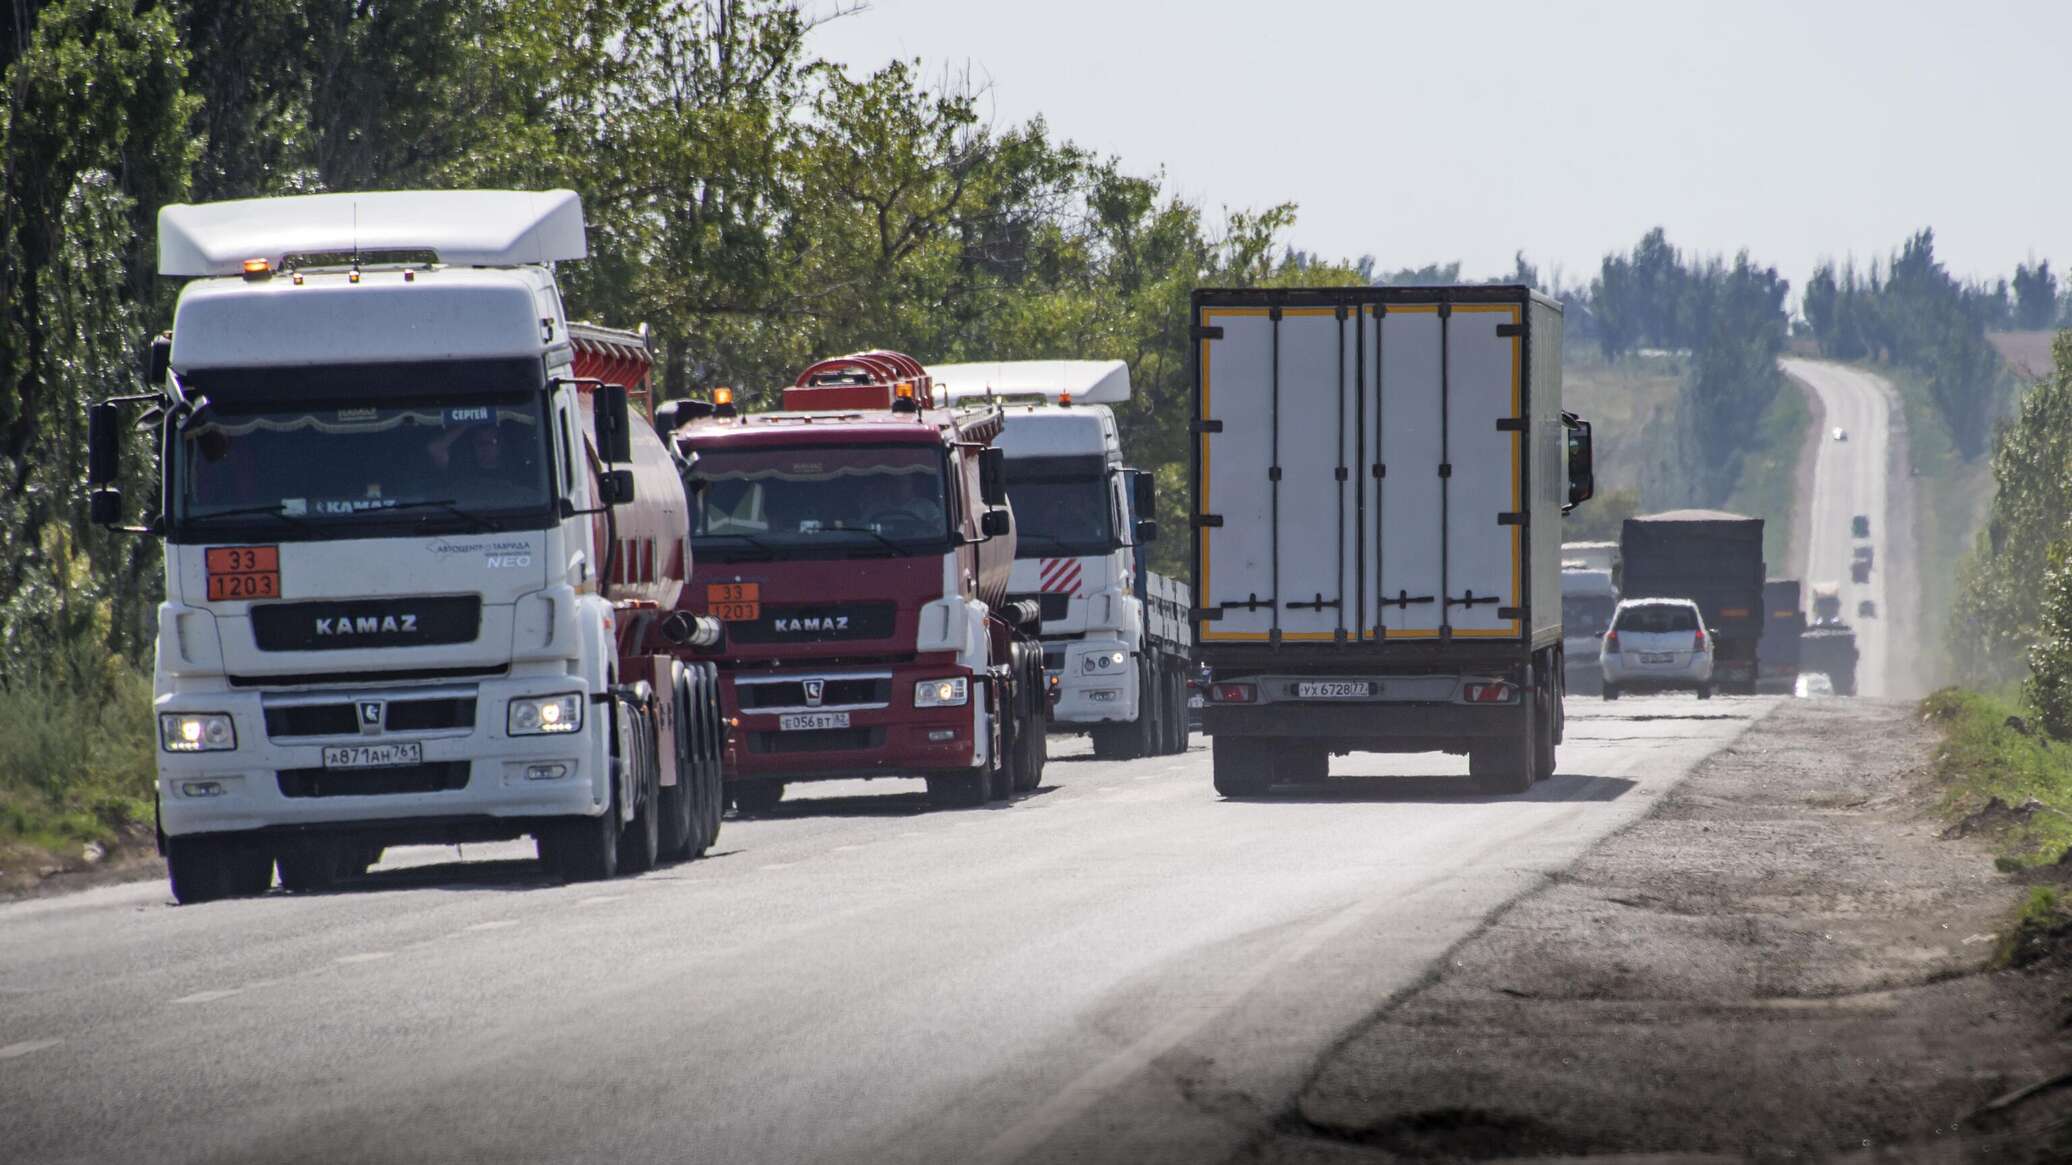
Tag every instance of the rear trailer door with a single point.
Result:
(1361, 465)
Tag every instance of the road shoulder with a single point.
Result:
(1785, 958)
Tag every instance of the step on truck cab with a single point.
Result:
(417, 546)
(1115, 633)
(1380, 476)
(855, 547)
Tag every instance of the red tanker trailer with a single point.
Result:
(855, 548)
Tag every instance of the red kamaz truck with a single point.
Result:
(855, 548)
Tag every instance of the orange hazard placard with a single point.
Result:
(734, 601)
(244, 572)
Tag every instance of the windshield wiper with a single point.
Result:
(276, 510)
(751, 539)
(889, 544)
(1021, 536)
(482, 525)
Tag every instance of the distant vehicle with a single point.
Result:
(1815, 684)
(1827, 604)
(1714, 559)
(1860, 525)
(1841, 434)
(1863, 554)
(1777, 652)
(1866, 609)
(1860, 565)
(1593, 556)
(1588, 599)
(1657, 644)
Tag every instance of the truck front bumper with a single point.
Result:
(1096, 684)
(468, 768)
(882, 737)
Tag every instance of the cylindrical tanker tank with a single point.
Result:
(650, 560)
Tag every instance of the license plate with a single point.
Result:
(1654, 657)
(1103, 696)
(373, 756)
(1196, 702)
(736, 602)
(1333, 690)
(808, 721)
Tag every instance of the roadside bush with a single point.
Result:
(2050, 661)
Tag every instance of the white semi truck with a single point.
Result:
(1115, 633)
(1380, 478)
(421, 559)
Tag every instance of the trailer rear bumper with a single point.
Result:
(1370, 727)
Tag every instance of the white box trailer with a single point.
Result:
(1379, 478)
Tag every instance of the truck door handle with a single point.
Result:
(1403, 600)
(1472, 599)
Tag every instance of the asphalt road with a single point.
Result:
(1117, 967)
(1852, 477)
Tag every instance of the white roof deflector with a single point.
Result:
(465, 228)
(1092, 382)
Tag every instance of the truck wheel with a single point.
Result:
(1505, 765)
(1294, 764)
(1240, 765)
(1544, 719)
(640, 843)
(1028, 774)
(1705, 691)
(582, 849)
(757, 798)
(1611, 691)
(1000, 766)
(1150, 712)
(958, 790)
(203, 869)
(1174, 698)
(1111, 740)
(678, 814)
(311, 864)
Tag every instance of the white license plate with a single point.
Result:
(1333, 690)
(1196, 702)
(373, 756)
(1103, 695)
(808, 721)
(1655, 657)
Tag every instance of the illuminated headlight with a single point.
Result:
(1102, 661)
(545, 715)
(949, 693)
(196, 732)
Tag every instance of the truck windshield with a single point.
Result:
(350, 470)
(1586, 614)
(822, 500)
(1058, 515)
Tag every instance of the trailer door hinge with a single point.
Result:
(1317, 604)
(1273, 473)
(1446, 469)
(1506, 331)
(1207, 521)
(1513, 424)
(1207, 614)
(1208, 332)
(1471, 600)
(1513, 518)
(1207, 425)
(1523, 613)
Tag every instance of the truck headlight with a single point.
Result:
(196, 732)
(1099, 662)
(545, 715)
(952, 692)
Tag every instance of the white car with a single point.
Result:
(1841, 434)
(1657, 644)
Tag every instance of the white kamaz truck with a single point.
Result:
(421, 557)
(1115, 634)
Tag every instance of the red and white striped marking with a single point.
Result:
(1059, 576)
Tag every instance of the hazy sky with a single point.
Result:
(1436, 131)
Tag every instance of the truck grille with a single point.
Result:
(816, 623)
(435, 777)
(338, 624)
(823, 740)
(294, 720)
(871, 691)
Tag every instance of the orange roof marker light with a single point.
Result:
(903, 397)
(258, 269)
(723, 401)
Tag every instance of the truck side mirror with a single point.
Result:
(992, 476)
(995, 522)
(614, 424)
(106, 507)
(615, 487)
(1144, 496)
(1582, 473)
(104, 444)
(1147, 531)
(160, 359)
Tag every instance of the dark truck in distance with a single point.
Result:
(1714, 558)
(1784, 621)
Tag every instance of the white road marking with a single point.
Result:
(25, 1047)
(363, 957)
(600, 899)
(499, 924)
(208, 996)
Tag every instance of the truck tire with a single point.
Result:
(1611, 691)
(640, 843)
(1299, 764)
(1704, 691)
(959, 790)
(1505, 765)
(1031, 748)
(1000, 765)
(678, 814)
(1176, 711)
(1112, 740)
(204, 869)
(582, 849)
(757, 798)
(1543, 730)
(311, 864)
(1240, 765)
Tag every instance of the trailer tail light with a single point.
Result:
(1611, 644)
(1233, 693)
(1496, 692)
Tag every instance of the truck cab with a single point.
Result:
(393, 610)
(1115, 633)
(856, 547)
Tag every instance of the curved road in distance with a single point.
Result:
(1120, 967)
(1849, 478)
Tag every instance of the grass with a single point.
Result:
(2039, 918)
(1951, 495)
(1983, 757)
(74, 767)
